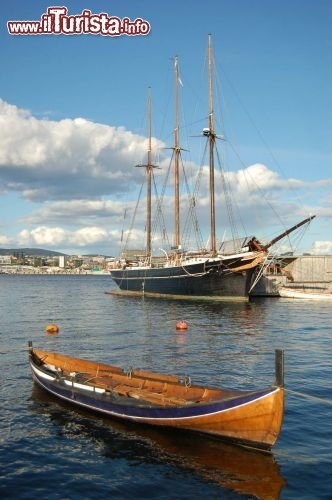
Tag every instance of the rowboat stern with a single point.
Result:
(257, 420)
(276, 417)
(278, 400)
(270, 410)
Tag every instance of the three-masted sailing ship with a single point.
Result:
(208, 272)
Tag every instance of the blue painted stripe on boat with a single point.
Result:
(105, 404)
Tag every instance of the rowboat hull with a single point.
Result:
(251, 418)
(236, 468)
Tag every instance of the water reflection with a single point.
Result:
(243, 471)
(204, 315)
(180, 340)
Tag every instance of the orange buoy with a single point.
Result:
(181, 325)
(52, 329)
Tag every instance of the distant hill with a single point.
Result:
(96, 255)
(35, 252)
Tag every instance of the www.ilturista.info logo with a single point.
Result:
(56, 21)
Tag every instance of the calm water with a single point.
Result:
(50, 450)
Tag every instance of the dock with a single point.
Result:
(305, 272)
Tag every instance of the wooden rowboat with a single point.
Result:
(251, 418)
(236, 468)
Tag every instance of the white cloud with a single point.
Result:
(259, 177)
(76, 158)
(324, 211)
(43, 236)
(57, 236)
(88, 236)
(71, 166)
(4, 240)
(321, 248)
(46, 159)
(77, 211)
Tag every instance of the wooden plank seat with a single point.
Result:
(155, 393)
(149, 396)
(136, 390)
(160, 377)
(122, 389)
(158, 398)
(101, 382)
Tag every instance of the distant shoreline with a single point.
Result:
(52, 272)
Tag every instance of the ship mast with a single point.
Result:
(148, 179)
(212, 139)
(177, 151)
(148, 173)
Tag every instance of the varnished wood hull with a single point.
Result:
(251, 418)
(239, 469)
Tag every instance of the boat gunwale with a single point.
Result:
(129, 400)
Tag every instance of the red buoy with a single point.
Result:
(52, 329)
(181, 325)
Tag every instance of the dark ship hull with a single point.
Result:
(212, 278)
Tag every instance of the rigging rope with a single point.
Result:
(228, 196)
(309, 396)
(191, 216)
(262, 268)
(245, 173)
(159, 214)
(125, 246)
(191, 219)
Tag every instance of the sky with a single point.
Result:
(73, 121)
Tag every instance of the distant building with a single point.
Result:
(62, 261)
(5, 259)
